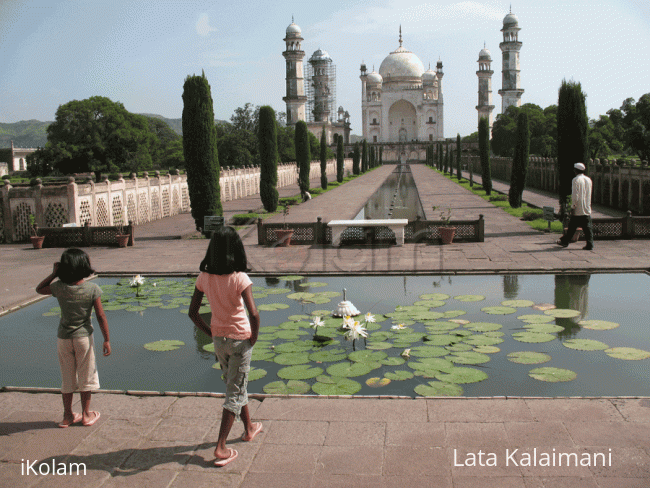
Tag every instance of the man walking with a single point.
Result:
(580, 208)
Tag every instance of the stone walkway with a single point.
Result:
(162, 440)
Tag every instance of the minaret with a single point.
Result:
(511, 90)
(294, 55)
(440, 125)
(484, 74)
(322, 83)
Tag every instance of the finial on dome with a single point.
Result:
(292, 18)
(510, 8)
(483, 44)
(400, 35)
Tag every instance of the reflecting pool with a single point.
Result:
(515, 335)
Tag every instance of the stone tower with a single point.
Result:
(323, 81)
(294, 55)
(511, 90)
(484, 74)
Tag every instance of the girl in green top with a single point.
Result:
(77, 298)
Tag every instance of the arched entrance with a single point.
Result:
(401, 120)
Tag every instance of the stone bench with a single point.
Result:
(396, 225)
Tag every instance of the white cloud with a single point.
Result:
(203, 26)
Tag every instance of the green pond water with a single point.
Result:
(525, 335)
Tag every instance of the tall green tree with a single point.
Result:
(439, 156)
(519, 162)
(371, 157)
(484, 152)
(303, 155)
(356, 159)
(458, 152)
(200, 149)
(268, 150)
(339, 159)
(323, 160)
(381, 155)
(572, 143)
(364, 156)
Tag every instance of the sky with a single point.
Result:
(139, 52)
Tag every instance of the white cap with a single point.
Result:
(579, 166)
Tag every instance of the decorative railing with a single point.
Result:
(84, 236)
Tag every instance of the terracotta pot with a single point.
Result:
(284, 237)
(122, 240)
(447, 234)
(37, 241)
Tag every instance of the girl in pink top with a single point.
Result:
(229, 291)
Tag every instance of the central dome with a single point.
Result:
(401, 65)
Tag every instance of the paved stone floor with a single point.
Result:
(162, 440)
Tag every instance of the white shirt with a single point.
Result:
(581, 195)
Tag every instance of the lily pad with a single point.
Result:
(499, 310)
(487, 349)
(598, 324)
(216, 365)
(297, 318)
(351, 369)
(338, 386)
(627, 353)
(313, 284)
(544, 328)
(428, 351)
(460, 375)
(377, 382)
(301, 295)
(365, 356)
(423, 316)
(256, 374)
(209, 347)
(441, 339)
(290, 278)
(320, 313)
(291, 335)
(291, 358)
(437, 364)
(291, 387)
(166, 345)
(378, 346)
(438, 326)
(528, 357)
(272, 307)
(552, 375)
(460, 347)
(469, 298)
(140, 308)
(517, 303)
(380, 336)
(438, 388)
(296, 346)
(260, 294)
(393, 361)
(585, 344)
(482, 326)
(328, 356)
(434, 296)
(483, 340)
(429, 303)
(533, 337)
(299, 372)
(399, 375)
(277, 291)
(450, 314)
(564, 313)
(469, 357)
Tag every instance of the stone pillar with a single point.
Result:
(73, 201)
(6, 213)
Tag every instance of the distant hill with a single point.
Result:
(33, 133)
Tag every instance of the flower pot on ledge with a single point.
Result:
(284, 237)
(37, 241)
(447, 234)
(122, 240)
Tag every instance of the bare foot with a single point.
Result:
(91, 418)
(249, 436)
(68, 421)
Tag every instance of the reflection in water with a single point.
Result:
(202, 339)
(572, 292)
(510, 287)
(271, 282)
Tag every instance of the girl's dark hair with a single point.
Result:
(74, 266)
(225, 253)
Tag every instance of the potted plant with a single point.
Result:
(37, 241)
(121, 236)
(447, 231)
(284, 234)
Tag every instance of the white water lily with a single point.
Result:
(317, 323)
(137, 281)
(406, 353)
(398, 327)
(356, 331)
(347, 322)
(154, 285)
(370, 317)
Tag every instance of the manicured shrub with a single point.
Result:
(303, 155)
(267, 140)
(484, 151)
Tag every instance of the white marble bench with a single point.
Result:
(396, 225)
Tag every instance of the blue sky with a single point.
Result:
(139, 52)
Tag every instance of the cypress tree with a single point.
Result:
(364, 156)
(381, 155)
(484, 151)
(446, 162)
(268, 147)
(520, 161)
(323, 161)
(303, 155)
(339, 160)
(371, 162)
(458, 172)
(572, 144)
(200, 149)
(356, 157)
(439, 156)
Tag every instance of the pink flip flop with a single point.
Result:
(222, 462)
(257, 430)
(94, 419)
(65, 423)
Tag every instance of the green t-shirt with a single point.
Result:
(76, 302)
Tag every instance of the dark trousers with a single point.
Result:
(584, 222)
